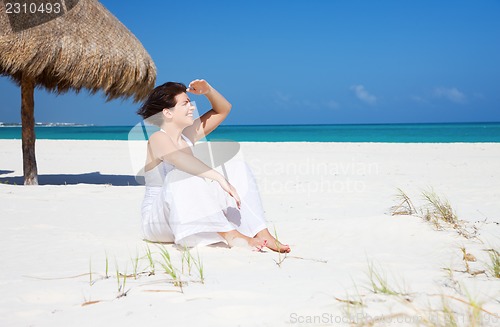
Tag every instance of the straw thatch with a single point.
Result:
(87, 47)
(84, 47)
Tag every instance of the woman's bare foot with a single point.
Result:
(272, 243)
(235, 238)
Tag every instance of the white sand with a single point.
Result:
(329, 201)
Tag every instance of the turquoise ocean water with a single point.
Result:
(391, 133)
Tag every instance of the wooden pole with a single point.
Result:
(28, 131)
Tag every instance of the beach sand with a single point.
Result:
(330, 201)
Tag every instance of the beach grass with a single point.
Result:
(151, 262)
(466, 310)
(106, 267)
(439, 209)
(165, 261)
(405, 205)
(135, 264)
(475, 307)
(494, 265)
(469, 257)
(121, 280)
(354, 305)
(281, 256)
(168, 267)
(436, 210)
(448, 314)
(186, 260)
(199, 266)
(379, 282)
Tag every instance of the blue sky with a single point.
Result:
(308, 62)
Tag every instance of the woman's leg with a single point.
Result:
(250, 219)
(271, 242)
(195, 215)
(235, 238)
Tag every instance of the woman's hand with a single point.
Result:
(199, 86)
(230, 190)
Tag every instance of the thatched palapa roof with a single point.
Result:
(85, 47)
(82, 45)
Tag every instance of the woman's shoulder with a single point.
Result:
(159, 141)
(158, 136)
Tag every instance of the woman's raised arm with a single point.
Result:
(212, 118)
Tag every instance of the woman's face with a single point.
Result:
(182, 113)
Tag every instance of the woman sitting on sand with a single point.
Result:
(183, 204)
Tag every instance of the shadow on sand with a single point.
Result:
(68, 179)
(3, 172)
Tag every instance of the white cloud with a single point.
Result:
(451, 94)
(363, 95)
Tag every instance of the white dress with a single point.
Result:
(189, 210)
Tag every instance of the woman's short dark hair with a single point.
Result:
(161, 97)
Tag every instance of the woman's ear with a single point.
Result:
(167, 113)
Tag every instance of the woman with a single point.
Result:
(186, 201)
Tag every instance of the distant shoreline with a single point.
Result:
(58, 124)
(46, 125)
(373, 133)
